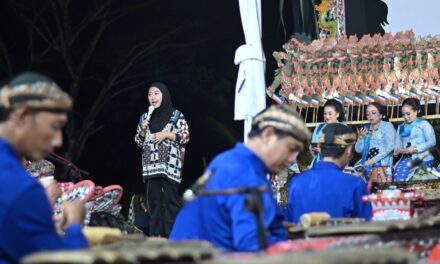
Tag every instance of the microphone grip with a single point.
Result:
(150, 112)
(147, 118)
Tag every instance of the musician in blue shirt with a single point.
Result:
(277, 134)
(32, 114)
(325, 188)
(414, 136)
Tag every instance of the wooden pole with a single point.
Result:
(317, 112)
(359, 111)
(426, 106)
(436, 105)
(362, 111)
(352, 110)
(314, 115)
(307, 111)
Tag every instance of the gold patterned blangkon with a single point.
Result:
(343, 140)
(37, 95)
(285, 119)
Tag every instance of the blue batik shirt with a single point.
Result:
(25, 214)
(420, 136)
(223, 219)
(325, 188)
(383, 140)
(315, 139)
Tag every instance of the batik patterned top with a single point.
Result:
(315, 139)
(422, 137)
(381, 143)
(166, 158)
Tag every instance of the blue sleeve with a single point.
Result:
(359, 147)
(74, 237)
(315, 138)
(390, 135)
(30, 220)
(181, 229)
(362, 209)
(244, 224)
(290, 207)
(429, 135)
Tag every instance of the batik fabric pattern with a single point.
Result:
(381, 145)
(165, 158)
(315, 139)
(421, 135)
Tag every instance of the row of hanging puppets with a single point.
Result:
(386, 69)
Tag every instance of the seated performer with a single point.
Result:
(32, 114)
(277, 134)
(376, 144)
(414, 136)
(333, 113)
(325, 188)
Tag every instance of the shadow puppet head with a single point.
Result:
(377, 13)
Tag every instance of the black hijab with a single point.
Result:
(161, 115)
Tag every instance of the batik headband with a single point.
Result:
(41, 168)
(343, 140)
(37, 95)
(285, 119)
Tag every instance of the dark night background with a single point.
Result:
(194, 56)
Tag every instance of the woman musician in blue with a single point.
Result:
(333, 113)
(376, 143)
(414, 136)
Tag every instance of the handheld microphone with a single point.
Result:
(150, 112)
(419, 160)
(192, 193)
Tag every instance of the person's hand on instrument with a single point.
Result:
(73, 213)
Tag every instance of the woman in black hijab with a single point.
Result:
(162, 133)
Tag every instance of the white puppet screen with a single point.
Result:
(423, 16)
